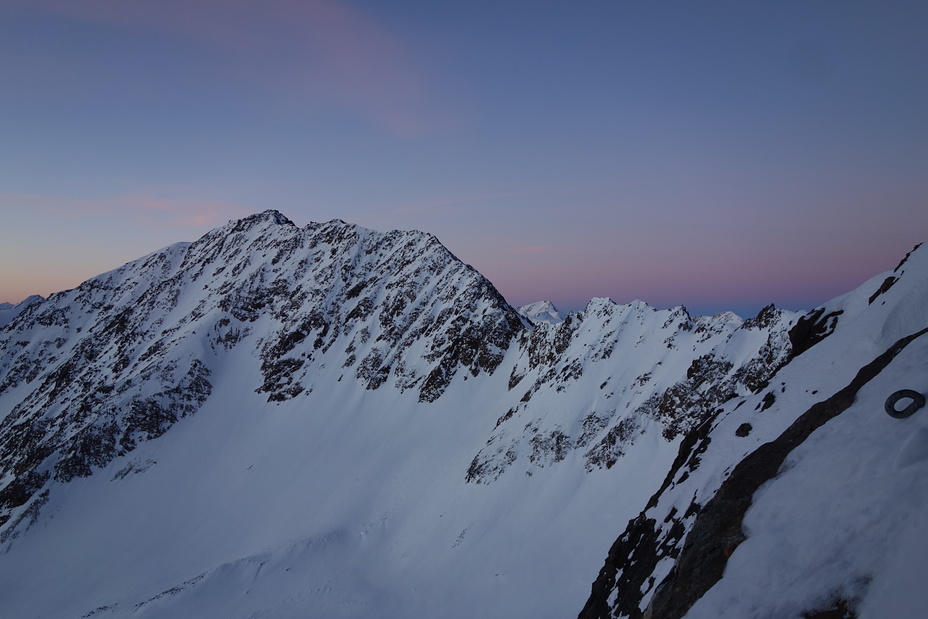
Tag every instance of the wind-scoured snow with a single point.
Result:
(331, 421)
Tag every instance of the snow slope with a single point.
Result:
(805, 498)
(330, 421)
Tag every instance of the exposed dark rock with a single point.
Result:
(838, 609)
(489, 464)
(812, 329)
(717, 531)
(605, 434)
(691, 448)
(770, 359)
(24, 520)
(765, 318)
(515, 378)
(885, 286)
(506, 417)
(688, 403)
(906, 258)
(608, 451)
(629, 565)
(591, 426)
(768, 400)
(20, 490)
(549, 448)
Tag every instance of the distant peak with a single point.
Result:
(599, 302)
(271, 215)
(8, 311)
(541, 311)
(680, 310)
(262, 220)
(765, 317)
(35, 298)
(727, 316)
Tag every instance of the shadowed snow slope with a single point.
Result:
(330, 421)
(805, 497)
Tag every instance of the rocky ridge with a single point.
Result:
(602, 377)
(93, 371)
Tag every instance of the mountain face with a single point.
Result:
(332, 421)
(601, 377)
(121, 358)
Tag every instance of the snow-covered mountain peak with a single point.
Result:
(727, 316)
(541, 311)
(603, 304)
(263, 218)
(136, 347)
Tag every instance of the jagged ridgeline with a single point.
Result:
(345, 419)
(119, 359)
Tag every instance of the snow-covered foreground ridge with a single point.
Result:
(806, 499)
(330, 421)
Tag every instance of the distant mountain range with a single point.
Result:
(330, 421)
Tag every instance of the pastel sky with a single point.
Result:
(719, 155)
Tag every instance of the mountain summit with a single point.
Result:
(122, 357)
(333, 421)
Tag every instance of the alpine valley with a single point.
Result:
(328, 421)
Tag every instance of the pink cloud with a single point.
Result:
(318, 50)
